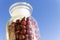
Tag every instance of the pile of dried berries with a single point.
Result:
(20, 30)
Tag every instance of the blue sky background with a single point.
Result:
(46, 12)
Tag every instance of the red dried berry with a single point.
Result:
(23, 22)
(17, 32)
(27, 35)
(9, 27)
(21, 37)
(29, 32)
(24, 27)
(17, 21)
(13, 24)
(28, 19)
(24, 31)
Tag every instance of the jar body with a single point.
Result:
(22, 29)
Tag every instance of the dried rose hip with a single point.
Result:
(9, 27)
(17, 21)
(13, 24)
(24, 31)
(23, 22)
(21, 37)
(17, 32)
(23, 27)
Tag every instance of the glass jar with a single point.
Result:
(21, 26)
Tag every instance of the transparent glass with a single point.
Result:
(22, 27)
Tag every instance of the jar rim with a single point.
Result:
(27, 6)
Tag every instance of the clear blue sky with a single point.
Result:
(46, 12)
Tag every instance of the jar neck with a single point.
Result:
(22, 12)
(19, 17)
(20, 9)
